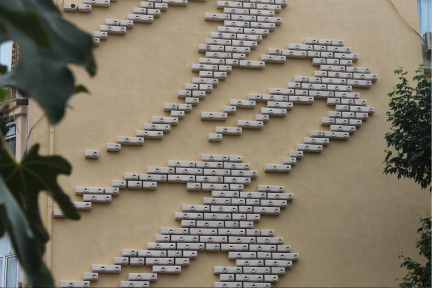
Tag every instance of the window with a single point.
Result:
(9, 265)
(6, 54)
(424, 10)
(5, 59)
(10, 138)
(425, 14)
(10, 276)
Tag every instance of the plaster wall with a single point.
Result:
(348, 220)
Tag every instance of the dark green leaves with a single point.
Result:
(14, 222)
(24, 181)
(4, 127)
(3, 95)
(419, 275)
(42, 72)
(80, 88)
(27, 22)
(48, 45)
(3, 69)
(38, 173)
(410, 136)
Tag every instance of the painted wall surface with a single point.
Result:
(348, 220)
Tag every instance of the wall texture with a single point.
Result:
(348, 220)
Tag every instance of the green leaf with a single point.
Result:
(15, 223)
(410, 136)
(3, 95)
(27, 22)
(4, 127)
(418, 275)
(43, 72)
(3, 69)
(25, 181)
(81, 88)
(38, 173)
(3, 28)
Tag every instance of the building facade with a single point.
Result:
(348, 220)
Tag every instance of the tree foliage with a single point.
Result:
(419, 275)
(4, 127)
(49, 44)
(20, 186)
(410, 136)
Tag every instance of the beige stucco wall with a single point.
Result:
(348, 221)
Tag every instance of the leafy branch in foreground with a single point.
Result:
(20, 186)
(4, 127)
(419, 275)
(410, 136)
(49, 44)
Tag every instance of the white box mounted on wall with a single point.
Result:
(91, 154)
(96, 42)
(150, 134)
(217, 158)
(127, 23)
(114, 191)
(113, 147)
(164, 120)
(228, 130)
(88, 190)
(136, 141)
(112, 22)
(289, 161)
(273, 112)
(86, 206)
(250, 124)
(214, 116)
(320, 141)
(279, 98)
(372, 77)
(87, 276)
(229, 109)
(273, 58)
(277, 168)
(294, 53)
(98, 3)
(216, 17)
(215, 137)
(309, 148)
(86, 8)
(139, 18)
(296, 154)
(158, 127)
(242, 103)
(336, 135)
(70, 7)
(74, 284)
(106, 268)
(251, 64)
(113, 29)
(142, 276)
(126, 284)
(177, 2)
